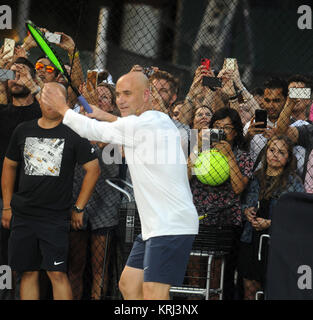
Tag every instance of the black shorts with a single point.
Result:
(38, 244)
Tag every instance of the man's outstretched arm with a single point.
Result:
(107, 130)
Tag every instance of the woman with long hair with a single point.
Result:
(276, 177)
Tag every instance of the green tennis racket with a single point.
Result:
(44, 45)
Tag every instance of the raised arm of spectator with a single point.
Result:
(247, 96)
(29, 43)
(156, 100)
(4, 62)
(24, 78)
(195, 89)
(90, 95)
(228, 88)
(68, 44)
(283, 122)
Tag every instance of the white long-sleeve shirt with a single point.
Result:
(157, 167)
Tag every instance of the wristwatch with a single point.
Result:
(77, 209)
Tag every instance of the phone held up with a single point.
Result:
(9, 45)
(230, 63)
(300, 93)
(212, 82)
(53, 37)
(206, 62)
(6, 75)
(261, 116)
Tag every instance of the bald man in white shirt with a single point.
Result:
(158, 169)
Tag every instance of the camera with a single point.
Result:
(216, 135)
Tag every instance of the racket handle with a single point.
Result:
(85, 104)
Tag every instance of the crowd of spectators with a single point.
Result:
(265, 161)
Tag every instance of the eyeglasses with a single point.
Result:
(40, 66)
(226, 128)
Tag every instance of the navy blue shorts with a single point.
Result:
(164, 259)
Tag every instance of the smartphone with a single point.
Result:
(206, 62)
(53, 37)
(9, 45)
(7, 75)
(300, 93)
(230, 63)
(261, 116)
(92, 80)
(212, 82)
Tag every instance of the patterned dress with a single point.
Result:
(221, 203)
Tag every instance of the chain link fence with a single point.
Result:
(233, 75)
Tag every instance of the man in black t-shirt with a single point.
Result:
(47, 152)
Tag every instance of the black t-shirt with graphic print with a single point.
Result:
(48, 158)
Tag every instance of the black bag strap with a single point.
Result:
(259, 158)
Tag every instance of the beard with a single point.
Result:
(22, 91)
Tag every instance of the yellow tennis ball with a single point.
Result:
(211, 167)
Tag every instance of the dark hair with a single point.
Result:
(173, 82)
(277, 83)
(113, 96)
(194, 111)
(258, 91)
(280, 181)
(234, 116)
(26, 62)
(172, 107)
(299, 78)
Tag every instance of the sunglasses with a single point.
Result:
(40, 66)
